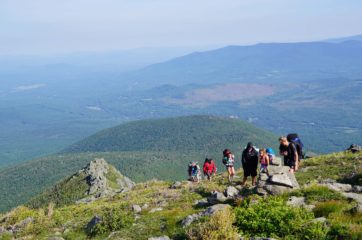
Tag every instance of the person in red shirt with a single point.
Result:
(209, 168)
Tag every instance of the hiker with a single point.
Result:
(228, 161)
(194, 172)
(289, 151)
(271, 154)
(209, 168)
(264, 161)
(294, 138)
(249, 161)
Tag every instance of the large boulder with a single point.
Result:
(279, 181)
(333, 185)
(231, 192)
(92, 223)
(159, 238)
(216, 197)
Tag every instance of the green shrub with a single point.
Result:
(272, 217)
(18, 214)
(323, 209)
(113, 219)
(219, 226)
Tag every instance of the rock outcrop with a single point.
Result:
(279, 181)
(104, 180)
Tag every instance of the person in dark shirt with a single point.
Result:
(249, 161)
(289, 151)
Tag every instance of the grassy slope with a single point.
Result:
(179, 203)
(182, 139)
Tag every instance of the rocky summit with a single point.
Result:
(97, 180)
(103, 180)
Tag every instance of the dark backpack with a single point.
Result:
(294, 138)
(225, 160)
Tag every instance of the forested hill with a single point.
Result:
(141, 150)
(191, 133)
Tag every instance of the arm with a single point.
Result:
(267, 160)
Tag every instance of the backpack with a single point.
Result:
(294, 138)
(225, 160)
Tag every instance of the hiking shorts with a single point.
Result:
(250, 172)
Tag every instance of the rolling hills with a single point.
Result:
(45, 109)
(141, 150)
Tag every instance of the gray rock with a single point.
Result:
(92, 223)
(320, 219)
(153, 210)
(281, 179)
(261, 238)
(231, 192)
(354, 196)
(136, 208)
(357, 189)
(333, 185)
(176, 185)
(96, 175)
(296, 201)
(145, 206)
(277, 161)
(263, 177)
(20, 226)
(55, 238)
(239, 187)
(216, 197)
(202, 203)
(208, 212)
(214, 209)
(159, 238)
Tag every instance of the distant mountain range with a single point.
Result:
(309, 88)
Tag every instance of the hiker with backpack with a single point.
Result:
(194, 172)
(209, 168)
(289, 151)
(271, 154)
(228, 161)
(264, 161)
(249, 161)
(294, 138)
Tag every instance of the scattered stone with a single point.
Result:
(208, 212)
(159, 238)
(55, 238)
(92, 223)
(354, 196)
(216, 197)
(136, 208)
(320, 219)
(357, 189)
(201, 203)
(239, 187)
(176, 185)
(296, 201)
(145, 206)
(261, 238)
(231, 192)
(354, 148)
(20, 226)
(153, 210)
(333, 185)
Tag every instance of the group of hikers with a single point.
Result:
(290, 148)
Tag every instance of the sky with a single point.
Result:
(67, 26)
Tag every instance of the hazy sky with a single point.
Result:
(62, 26)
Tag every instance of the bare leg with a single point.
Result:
(253, 180)
(244, 181)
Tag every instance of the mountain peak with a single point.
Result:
(97, 180)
